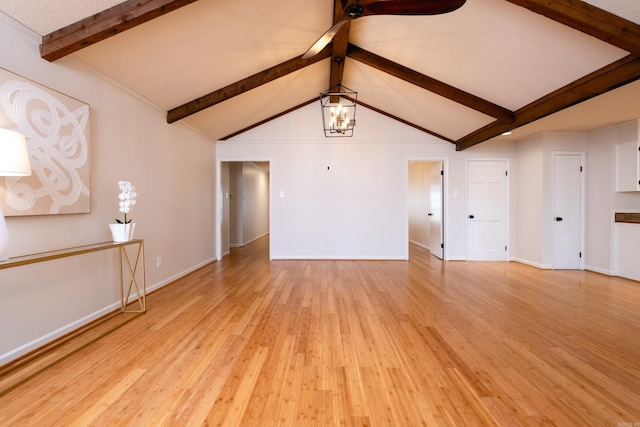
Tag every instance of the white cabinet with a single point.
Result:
(627, 238)
(628, 166)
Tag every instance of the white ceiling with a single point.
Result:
(492, 49)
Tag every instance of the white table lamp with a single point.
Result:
(14, 161)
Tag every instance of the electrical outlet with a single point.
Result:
(159, 261)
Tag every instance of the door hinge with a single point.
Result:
(506, 173)
(580, 168)
(442, 173)
(505, 248)
(442, 245)
(580, 255)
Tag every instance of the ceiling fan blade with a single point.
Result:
(353, 9)
(324, 40)
(400, 7)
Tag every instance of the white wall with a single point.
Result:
(172, 169)
(600, 183)
(609, 248)
(350, 198)
(529, 203)
(534, 207)
(347, 197)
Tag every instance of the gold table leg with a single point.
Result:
(140, 292)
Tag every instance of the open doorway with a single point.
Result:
(244, 204)
(426, 205)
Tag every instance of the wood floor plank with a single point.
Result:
(248, 341)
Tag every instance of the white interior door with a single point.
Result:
(436, 240)
(487, 231)
(567, 208)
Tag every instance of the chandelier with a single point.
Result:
(338, 106)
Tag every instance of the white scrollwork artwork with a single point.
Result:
(57, 131)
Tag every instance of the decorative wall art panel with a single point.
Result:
(56, 127)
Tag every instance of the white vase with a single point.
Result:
(122, 232)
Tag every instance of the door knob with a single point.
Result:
(430, 214)
(471, 216)
(558, 218)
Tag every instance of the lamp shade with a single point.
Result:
(14, 157)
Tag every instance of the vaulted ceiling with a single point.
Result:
(467, 76)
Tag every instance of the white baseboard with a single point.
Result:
(531, 263)
(423, 246)
(177, 276)
(239, 245)
(256, 238)
(550, 267)
(66, 329)
(45, 339)
(600, 270)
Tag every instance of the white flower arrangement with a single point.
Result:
(127, 199)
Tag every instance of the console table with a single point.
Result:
(128, 267)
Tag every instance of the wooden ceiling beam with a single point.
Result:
(244, 85)
(620, 73)
(590, 20)
(430, 84)
(103, 25)
(340, 43)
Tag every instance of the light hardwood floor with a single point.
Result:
(250, 342)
